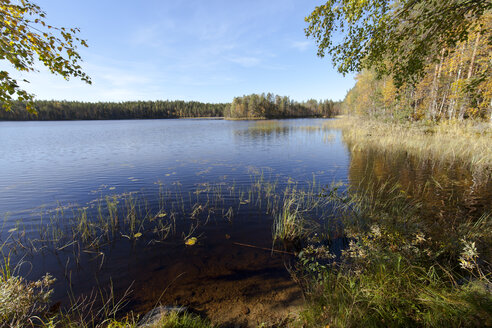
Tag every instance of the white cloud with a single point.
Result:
(301, 45)
(245, 61)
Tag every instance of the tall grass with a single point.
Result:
(21, 301)
(289, 224)
(299, 216)
(465, 143)
(391, 272)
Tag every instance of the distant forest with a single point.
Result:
(252, 106)
(75, 110)
(274, 106)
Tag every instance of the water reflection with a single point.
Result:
(274, 129)
(445, 191)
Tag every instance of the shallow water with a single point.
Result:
(229, 274)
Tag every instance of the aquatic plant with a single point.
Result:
(89, 231)
(289, 224)
(466, 143)
(132, 216)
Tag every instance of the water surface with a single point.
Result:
(43, 163)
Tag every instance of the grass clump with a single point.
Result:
(171, 320)
(466, 143)
(392, 273)
(289, 225)
(298, 217)
(21, 301)
(182, 320)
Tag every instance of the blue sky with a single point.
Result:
(209, 50)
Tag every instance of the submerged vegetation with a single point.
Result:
(132, 217)
(377, 253)
(394, 270)
(372, 253)
(380, 251)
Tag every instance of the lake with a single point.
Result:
(181, 211)
(45, 163)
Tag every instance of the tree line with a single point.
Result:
(252, 106)
(75, 110)
(275, 106)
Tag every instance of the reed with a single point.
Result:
(289, 225)
(132, 216)
(448, 142)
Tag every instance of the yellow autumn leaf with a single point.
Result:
(191, 241)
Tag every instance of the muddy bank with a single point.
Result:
(232, 285)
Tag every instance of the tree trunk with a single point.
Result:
(490, 111)
(474, 54)
(435, 86)
(451, 111)
(470, 72)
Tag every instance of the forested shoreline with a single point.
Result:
(275, 106)
(74, 110)
(252, 106)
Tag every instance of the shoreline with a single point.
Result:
(212, 118)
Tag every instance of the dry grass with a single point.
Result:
(393, 273)
(464, 143)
